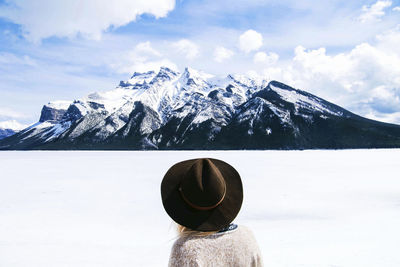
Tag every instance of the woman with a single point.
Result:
(203, 196)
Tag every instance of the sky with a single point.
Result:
(344, 51)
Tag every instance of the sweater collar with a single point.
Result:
(230, 227)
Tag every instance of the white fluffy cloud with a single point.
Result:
(366, 79)
(374, 12)
(142, 58)
(266, 58)
(146, 48)
(13, 125)
(221, 53)
(8, 58)
(142, 66)
(7, 113)
(188, 48)
(396, 8)
(45, 18)
(250, 41)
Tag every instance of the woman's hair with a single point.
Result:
(183, 231)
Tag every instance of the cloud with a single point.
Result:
(13, 125)
(366, 79)
(8, 58)
(392, 117)
(396, 8)
(189, 49)
(7, 113)
(384, 99)
(250, 41)
(146, 48)
(262, 57)
(221, 53)
(142, 66)
(142, 58)
(374, 12)
(67, 18)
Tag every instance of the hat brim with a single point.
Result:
(202, 220)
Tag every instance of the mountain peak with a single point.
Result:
(59, 104)
(193, 77)
(167, 69)
(190, 73)
(138, 79)
(164, 74)
(279, 84)
(141, 74)
(247, 81)
(167, 109)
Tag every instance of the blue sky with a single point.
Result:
(344, 51)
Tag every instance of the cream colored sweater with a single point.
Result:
(236, 248)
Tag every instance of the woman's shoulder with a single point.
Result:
(246, 231)
(244, 235)
(233, 232)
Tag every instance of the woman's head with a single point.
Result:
(202, 194)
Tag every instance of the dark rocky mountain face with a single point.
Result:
(51, 114)
(6, 133)
(193, 110)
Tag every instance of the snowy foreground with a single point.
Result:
(306, 208)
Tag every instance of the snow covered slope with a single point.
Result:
(166, 109)
(103, 209)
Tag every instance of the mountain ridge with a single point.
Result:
(167, 109)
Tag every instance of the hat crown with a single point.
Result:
(203, 186)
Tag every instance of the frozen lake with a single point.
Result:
(306, 208)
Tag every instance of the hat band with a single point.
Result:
(200, 207)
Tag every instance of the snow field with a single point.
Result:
(306, 208)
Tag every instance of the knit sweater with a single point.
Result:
(237, 248)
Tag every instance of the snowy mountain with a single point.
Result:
(166, 109)
(8, 128)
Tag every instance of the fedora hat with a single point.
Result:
(202, 194)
